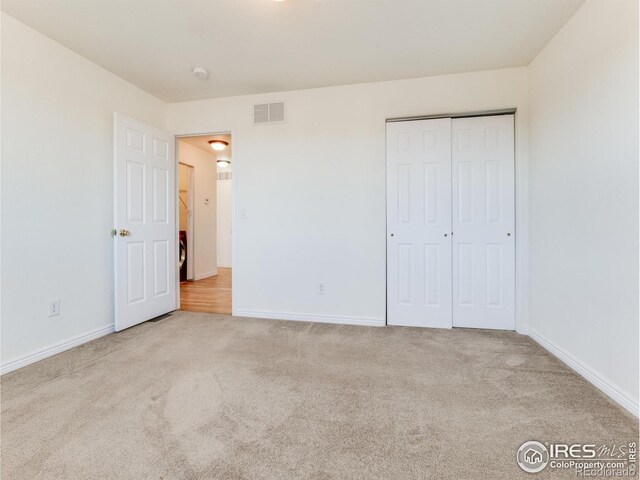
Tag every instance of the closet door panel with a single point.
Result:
(483, 222)
(419, 223)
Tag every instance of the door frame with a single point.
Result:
(521, 179)
(190, 219)
(222, 131)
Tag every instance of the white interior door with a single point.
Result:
(419, 223)
(483, 222)
(145, 199)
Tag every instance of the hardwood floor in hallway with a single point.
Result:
(210, 295)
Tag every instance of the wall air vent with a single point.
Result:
(265, 113)
(224, 175)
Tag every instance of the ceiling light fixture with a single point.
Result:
(200, 73)
(218, 145)
(223, 162)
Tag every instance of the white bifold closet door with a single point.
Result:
(450, 223)
(483, 222)
(419, 223)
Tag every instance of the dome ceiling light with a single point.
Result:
(223, 162)
(218, 145)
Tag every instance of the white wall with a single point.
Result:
(205, 263)
(584, 195)
(57, 189)
(224, 219)
(310, 194)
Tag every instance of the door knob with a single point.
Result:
(124, 233)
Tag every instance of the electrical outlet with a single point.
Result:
(322, 288)
(54, 307)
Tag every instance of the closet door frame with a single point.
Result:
(521, 181)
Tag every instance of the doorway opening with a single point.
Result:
(204, 222)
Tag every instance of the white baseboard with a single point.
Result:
(303, 317)
(51, 350)
(205, 275)
(220, 265)
(595, 378)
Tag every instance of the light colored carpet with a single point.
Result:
(202, 396)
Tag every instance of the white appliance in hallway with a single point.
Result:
(145, 222)
(450, 222)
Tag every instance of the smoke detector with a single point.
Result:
(200, 73)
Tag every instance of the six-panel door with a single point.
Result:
(419, 223)
(483, 222)
(145, 195)
(450, 222)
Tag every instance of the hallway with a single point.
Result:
(209, 295)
